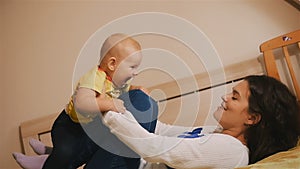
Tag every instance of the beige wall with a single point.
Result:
(40, 42)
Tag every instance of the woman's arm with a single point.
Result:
(213, 150)
(164, 129)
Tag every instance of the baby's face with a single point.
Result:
(127, 68)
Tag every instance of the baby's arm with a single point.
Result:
(88, 101)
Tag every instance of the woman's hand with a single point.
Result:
(118, 106)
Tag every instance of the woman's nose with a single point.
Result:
(224, 98)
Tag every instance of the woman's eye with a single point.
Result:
(233, 98)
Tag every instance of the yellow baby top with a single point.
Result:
(94, 80)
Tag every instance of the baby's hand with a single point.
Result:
(118, 106)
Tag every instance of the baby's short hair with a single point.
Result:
(112, 41)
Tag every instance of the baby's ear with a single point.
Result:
(111, 64)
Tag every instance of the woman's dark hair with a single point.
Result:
(278, 128)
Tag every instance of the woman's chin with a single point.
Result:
(218, 113)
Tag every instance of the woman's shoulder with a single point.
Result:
(230, 147)
(224, 141)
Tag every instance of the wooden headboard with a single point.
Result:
(201, 100)
(171, 111)
(38, 128)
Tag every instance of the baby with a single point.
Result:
(97, 91)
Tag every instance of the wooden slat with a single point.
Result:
(291, 70)
(270, 64)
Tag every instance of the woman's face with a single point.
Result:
(233, 114)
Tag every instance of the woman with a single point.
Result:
(259, 118)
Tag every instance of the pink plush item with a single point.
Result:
(37, 146)
(30, 162)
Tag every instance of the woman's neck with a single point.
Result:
(237, 134)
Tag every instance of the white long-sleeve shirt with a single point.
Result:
(209, 151)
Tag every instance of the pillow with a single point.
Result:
(287, 159)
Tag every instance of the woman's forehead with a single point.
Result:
(242, 88)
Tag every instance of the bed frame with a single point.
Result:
(38, 128)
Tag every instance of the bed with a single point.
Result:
(170, 97)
